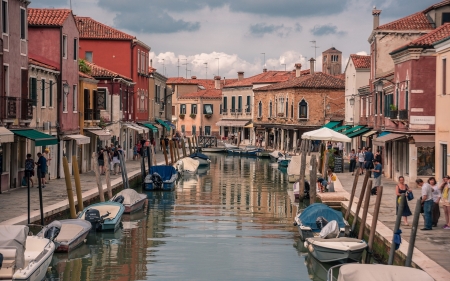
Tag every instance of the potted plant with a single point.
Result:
(393, 111)
(208, 115)
(192, 115)
(181, 116)
(280, 114)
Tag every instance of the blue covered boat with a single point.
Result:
(284, 161)
(202, 158)
(251, 150)
(161, 178)
(104, 216)
(306, 220)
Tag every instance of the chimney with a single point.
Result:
(264, 69)
(376, 17)
(298, 68)
(240, 75)
(311, 66)
(151, 63)
(217, 82)
(193, 77)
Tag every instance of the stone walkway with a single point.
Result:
(434, 244)
(13, 204)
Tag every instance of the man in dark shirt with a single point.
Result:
(41, 168)
(368, 160)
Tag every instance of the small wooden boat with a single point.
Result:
(161, 178)
(24, 257)
(263, 154)
(72, 233)
(130, 199)
(202, 158)
(336, 249)
(104, 216)
(296, 189)
(376, 272)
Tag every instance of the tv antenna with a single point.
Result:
(206, 66)
(315, 48)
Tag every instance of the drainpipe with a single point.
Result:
(58, 108)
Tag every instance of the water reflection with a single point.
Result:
(232, 221)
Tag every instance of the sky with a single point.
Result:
(222, 37)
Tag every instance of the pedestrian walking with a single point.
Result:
(101, 161)
(361, 161)
(377, 171)
(427, 202)
(368, 161)
(41, 168)
(401, 188)
(436, 198)
(352, 157)
(445, 189)
(29, 169)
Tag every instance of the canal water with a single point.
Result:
(233, 221)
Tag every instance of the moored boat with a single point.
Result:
(187, 165)
(201, 158)
(275, 155)
(161, 177)
(130, 199)
(217, 149)
(72, 233)
(284, 160)
(376, 272)
(336, 249)
(104, 216)
(250, 150)
(24, 257)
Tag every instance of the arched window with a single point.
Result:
(270, 109)
(303, 109)
(260, 109)
(287, 108)
(292, 110)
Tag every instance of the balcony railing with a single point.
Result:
(403, 114)
(27, 109)
(10, 107)
(96, 115)
(88, 114)
(393, 114)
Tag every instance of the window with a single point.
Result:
(303, 110)
(101, 98)
(207, 130)
(23, 23)
(443, 160)
(75, 49)
(397, 90)
(240, 104)
(287, 107)
(65, 101)
(207, 109)
(182, 109)
(324, 58)
(225, 104)
(270, 109)
(183, 129)
(139, 61)
(280, 107)
(444, 76)
(43, 92)
(88, 56)
(260, 109)
(334, 58)
(5, 18)
(193, 109)
(233, 104)
(248, 106)
(33, 90)
(64, 43)
(50, 94)
(75, 98)
(388, 100)
(445, 17)
(292, 110)
(407, 95)
(376, 102)
(194, 130)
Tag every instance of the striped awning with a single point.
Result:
(164, 124)
(39, 138)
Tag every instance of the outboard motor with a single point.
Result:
(52, 230)
(157, 181)
(119, 199)
(321, 222)
(93, 216)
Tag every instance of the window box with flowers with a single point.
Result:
(208, 115)
(181, 116)
(192, 115)
(280, 114)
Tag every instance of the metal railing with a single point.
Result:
(88, 114)
(393, 114)
(27, 109)
(14, 107)
(403, 114)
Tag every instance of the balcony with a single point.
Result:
(11, 105)
(403, 115)
(88, 114)
(27, 109)
(248, 112)
(393, 114)
(225, 112)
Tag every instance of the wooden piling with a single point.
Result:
(97, 177)
(171, 150)
(190, 146)
(313, 180)
(301, 193)
(352, 196)
(76, 176)
(163, 144)
(108, 174)
(177, 149)
(362, 226)
(73, 214)
(373, 227)
(360, 200)
(149, 156)
(123, 166)
(183, 146)
(412, 237)
(396, 228)
(196, 143)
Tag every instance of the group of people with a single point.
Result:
(140, 148)
(326, 185)
(113, 157)
(365, 159)
(41, 166)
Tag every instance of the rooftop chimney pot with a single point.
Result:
(298, 69)
(217, 82)
(240, 75)
(376, 17)
(311, 66)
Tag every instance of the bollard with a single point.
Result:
(190, 146)
(412, 237)
(73, 214)
(396, 228)
(312, 180)
(97, 177)
(76, 176)
(352, 196)
(171, 150)
(108, 174)
(183, 146)
(373, 228)
(362, 226)
(165, 152)
(360, 200)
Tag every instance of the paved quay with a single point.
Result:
(13, 204)
(432, 248)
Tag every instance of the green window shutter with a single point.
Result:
(33, 90)
(50, 94)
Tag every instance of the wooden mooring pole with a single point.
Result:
(97, 177)
(373, 227)
(76, 176)
(412, 237)
(183, 146)
(190, 146)
(73, 214)
(108, 174)
(362, 226)
(360, 200)
(163, 144)
(396, 228)
(171, 150)
(352, 196)
(312, 180)
(301, 192)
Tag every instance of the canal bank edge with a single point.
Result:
(384, 234)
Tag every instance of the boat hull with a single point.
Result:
(39, 268)
(201, 161)
(283, 163)
(326, 254)
(65, 248)
(167, 186)
(213, 149)
(135, 207)
(111, 224)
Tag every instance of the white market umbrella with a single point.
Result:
(325, 134)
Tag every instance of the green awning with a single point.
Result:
(39, 138)
(164, 124)
(359, 132)
(351, 130)
(331, 124)
(342, 128)
(151, 127)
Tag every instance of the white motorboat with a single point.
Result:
(24, 257)
(130, 199)
(72, 233)
(187, 165)
(336, 249)
(201, 158)
(376, 272)
(275, 155)
(214, 149)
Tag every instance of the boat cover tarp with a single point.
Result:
(130, 196)
(166, 172)
(199, 155)
(376, 272)
(312, 212)
(294, 166)
(189, 164)
(339, 244)
(275, 154)
(331, 230)
(15, 236)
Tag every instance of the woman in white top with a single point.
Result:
(436, 192)
(361, 161)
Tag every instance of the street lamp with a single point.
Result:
(66, 88)
(328, 107)
(379, 86)
(352, 101)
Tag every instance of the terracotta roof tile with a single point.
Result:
(417, 21)
(204, 94)
(47, 17)
(206, 83)
(84, 75)
(91, 29)
(270, 76)
(41, 62)
(340, 76)
(428, 39)
(318, 80)
(151, 69)
(101, 72)
(360, 61)
(437, 5)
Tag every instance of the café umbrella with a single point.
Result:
(325, 134)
